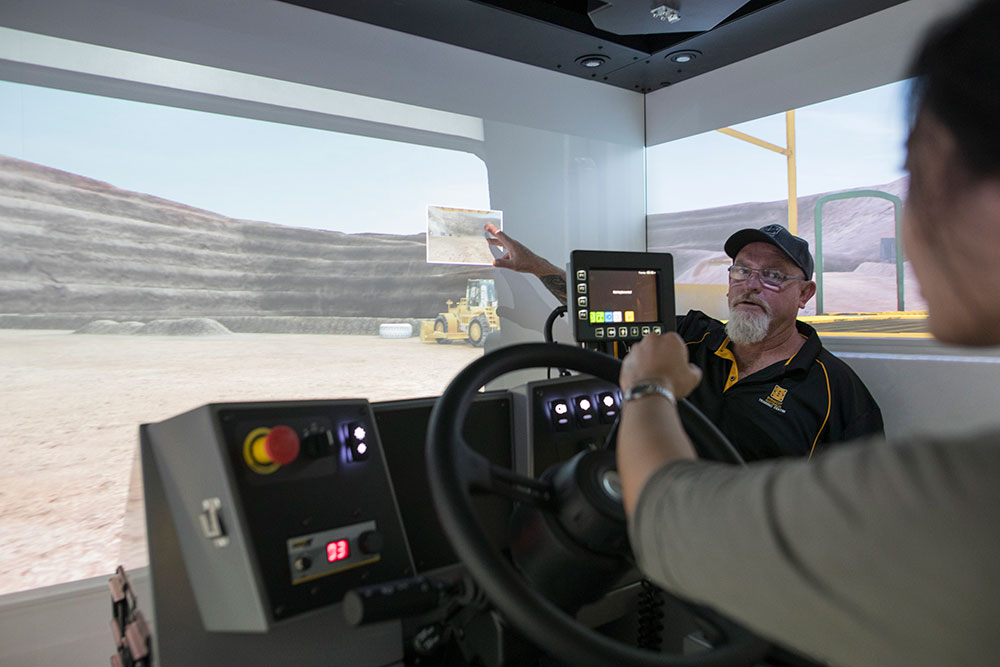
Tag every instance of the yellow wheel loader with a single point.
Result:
(471, 319)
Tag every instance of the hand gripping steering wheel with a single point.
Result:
(456, 471)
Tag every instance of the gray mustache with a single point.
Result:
(751, 298)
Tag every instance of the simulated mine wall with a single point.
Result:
(75, 249)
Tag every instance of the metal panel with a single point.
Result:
(318, 639)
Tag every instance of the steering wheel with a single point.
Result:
(455, 471)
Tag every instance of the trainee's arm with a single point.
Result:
(865, 556)
(650, 433)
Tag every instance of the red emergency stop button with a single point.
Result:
(282, 445)
(267, 449)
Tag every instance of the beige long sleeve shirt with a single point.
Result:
(884, 555)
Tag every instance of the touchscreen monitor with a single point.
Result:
(621, 296)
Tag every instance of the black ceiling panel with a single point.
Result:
(560, 35)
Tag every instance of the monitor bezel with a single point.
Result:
(584, 331)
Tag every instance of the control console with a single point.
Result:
(280, 508)
(568, 415)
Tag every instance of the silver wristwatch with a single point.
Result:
(647, 388)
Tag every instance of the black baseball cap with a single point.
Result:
(796, 248)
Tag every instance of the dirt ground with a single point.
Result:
(70, 489)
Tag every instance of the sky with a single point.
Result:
(314, 178)
(846, 142)
(239, 167)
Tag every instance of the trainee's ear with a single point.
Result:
(808, 289)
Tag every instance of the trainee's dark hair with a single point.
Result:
(958, 80)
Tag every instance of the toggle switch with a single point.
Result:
(585, 410)
(607, 407)
(357, 442)
(211, 522)
(318, 444)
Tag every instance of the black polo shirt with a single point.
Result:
(791, 408)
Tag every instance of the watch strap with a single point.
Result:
(647, 389)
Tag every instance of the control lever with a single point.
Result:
(399, 599)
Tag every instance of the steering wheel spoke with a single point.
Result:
(485, 477)
(523, 489)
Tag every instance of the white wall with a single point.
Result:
(924, 387)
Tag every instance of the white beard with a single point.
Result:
(745, 328)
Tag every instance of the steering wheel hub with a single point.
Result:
(583, 526)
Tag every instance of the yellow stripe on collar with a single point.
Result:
(734, 371)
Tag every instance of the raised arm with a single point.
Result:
(650, 434)
(517, 257)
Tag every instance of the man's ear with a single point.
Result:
(808, 289)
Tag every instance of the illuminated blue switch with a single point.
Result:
(607, 407)
(586, 412)
(357, 442)
(559, 414)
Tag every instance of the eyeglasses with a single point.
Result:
(767, 277)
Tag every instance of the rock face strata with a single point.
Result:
(76, 250)
(854, 231)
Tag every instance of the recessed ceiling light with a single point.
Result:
(682, 57)
(591, 61)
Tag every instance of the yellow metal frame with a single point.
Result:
(912, 315)
(789, 152)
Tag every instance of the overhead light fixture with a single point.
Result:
(664, 13)
(591, 61)
(683, 57)
(649, 17)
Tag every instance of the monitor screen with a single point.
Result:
(402, 427)
(628, 295)
(619, 297)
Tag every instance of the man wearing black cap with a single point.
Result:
(767, 381)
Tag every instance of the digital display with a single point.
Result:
(337, 550)
(623, 296)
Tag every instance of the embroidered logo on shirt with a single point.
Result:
(776, 398)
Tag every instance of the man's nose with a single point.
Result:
(754, 276)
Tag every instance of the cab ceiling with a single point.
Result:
(640, 45)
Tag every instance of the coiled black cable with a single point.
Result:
(556, 313)
(650, 611)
